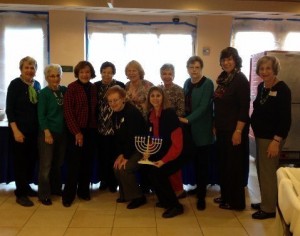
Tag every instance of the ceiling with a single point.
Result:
(288, 9)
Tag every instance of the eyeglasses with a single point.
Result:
(54, 76)
(113, 101)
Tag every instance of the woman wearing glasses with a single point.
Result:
(52, 137)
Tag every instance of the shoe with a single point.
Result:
(192, 192)
(66, 203)
(183, 194)
(261, 215)
(255, 206)
(32, 193)
(160, 205)
(135, 203)
(85, 198)
(112, 189)
(103, 185)
(24, 201)
(226, 206)
(201, 205)
(173, 211)
(218, 200)
(46, 201)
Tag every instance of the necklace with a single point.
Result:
(59, 97)
(265, 92)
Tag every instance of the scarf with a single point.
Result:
(223, 81)
(32, 94)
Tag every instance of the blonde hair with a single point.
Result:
(28, 59)
(137, 66)
(274, 60)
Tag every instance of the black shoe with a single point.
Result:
(135, 203)
(192, 192)
(173, 211)
(255, 206)
(226, 206)
(201, 205)
(24, 201)
(218, 200)
(46, 201)
(103, 185)
(183, 194)
(112, 189)
(66, 203)
(84, 197)
(261, 215)
(32, 193)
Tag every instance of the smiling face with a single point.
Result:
(156, 99)
(85, 74)
(53, 78)
(167, 77)
(115, 101)
(228, 64)
(28, 71)
(266, 72)
(132, 74)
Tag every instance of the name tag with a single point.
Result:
(273, 93)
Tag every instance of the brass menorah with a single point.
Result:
(147, 146)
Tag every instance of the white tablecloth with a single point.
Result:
(289, 197)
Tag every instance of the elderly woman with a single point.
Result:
(271, 121)
(21, 110)
(137, 87)
(52, 137)
(164, 124)
(198, 91)
(175, 95)
(105, 127)
(80, 103)
(231, 100)
(128, 122)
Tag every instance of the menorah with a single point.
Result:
(147, 146)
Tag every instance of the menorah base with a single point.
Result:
(146, 162)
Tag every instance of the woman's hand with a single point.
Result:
(18, 136)
(118, 161)
(48, 136)
(123, 164)
(159, 163)
(183, 120)
(79, 139)
(273, 149)
(236, 138)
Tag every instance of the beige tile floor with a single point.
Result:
(103, 216)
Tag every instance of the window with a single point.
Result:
(21, 35)
(249, 43)
(152, 49)
(291, 42)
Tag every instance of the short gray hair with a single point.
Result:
(28, 59)
(50, 67)
(167, 66)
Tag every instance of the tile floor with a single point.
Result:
(103, 216)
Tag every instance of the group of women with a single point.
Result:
(107, 116)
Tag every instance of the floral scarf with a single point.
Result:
(223, 81)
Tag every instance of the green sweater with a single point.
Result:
(201, 116)
(50, 109)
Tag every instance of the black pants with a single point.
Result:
(79, 163)
(232, 170)
(201, 160)
(25, 160)
(159, 178)
(106, 158)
